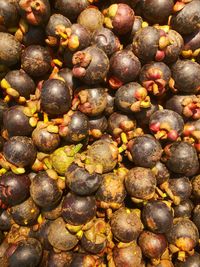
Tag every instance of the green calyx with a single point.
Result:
(63, 157)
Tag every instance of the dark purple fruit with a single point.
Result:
(77, 210)
(36, 12)
(10, 49)
(144, 115)
(90, 101)
(94, 240)
(25, 213)
(20, 81)
(157, 217)
(184, 209)
(78, 38)
(90, 65)
(20, 151)
(166, 124)
(14, 189)
(71, 82)
(59, 237)
(145, 43)
(180, 187)
(126, 225)
(155, 77)
(3, 108)
(157, 11)
(80, 260)
(145, 151)
(181, 158)
(127, 256)
(140, 183)
(119, 18)
(41, 233)
(71, 9)
(161, 172)
(137, 25)
(97, 126)
(111, 192)
(191, 261)
(16, 122)
(186, 75)
(132, 97)
(56, 28)
(75, 127)
(183, 234)
(45, 140)
(191, 44)
(152, 43)
(55, 97)
(187, 17)
(152, 245)
(82, 182)
(45, 191)
(106, 40)
(52, 213)
(27, 252)
(124, 68)
(5, 221)
(36, 60)
(91, 18)
(34, 36)
(9, 14)
(173, 47)
(186, 105)
(56, 24)
(110, 108)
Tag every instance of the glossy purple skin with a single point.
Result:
(125, 66)
(77, 210)
(106, 40)
(156, 11)
(54, 21)
(20, 151)
(16, 122)
(157, 217)
(14, 188)
(145, 151)
(45, 191)
(186, 75)
(183, 159)
(21, 82)
(27, 252)
(82, 182)
(145, 43)
(123, 20)
(55, 97)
